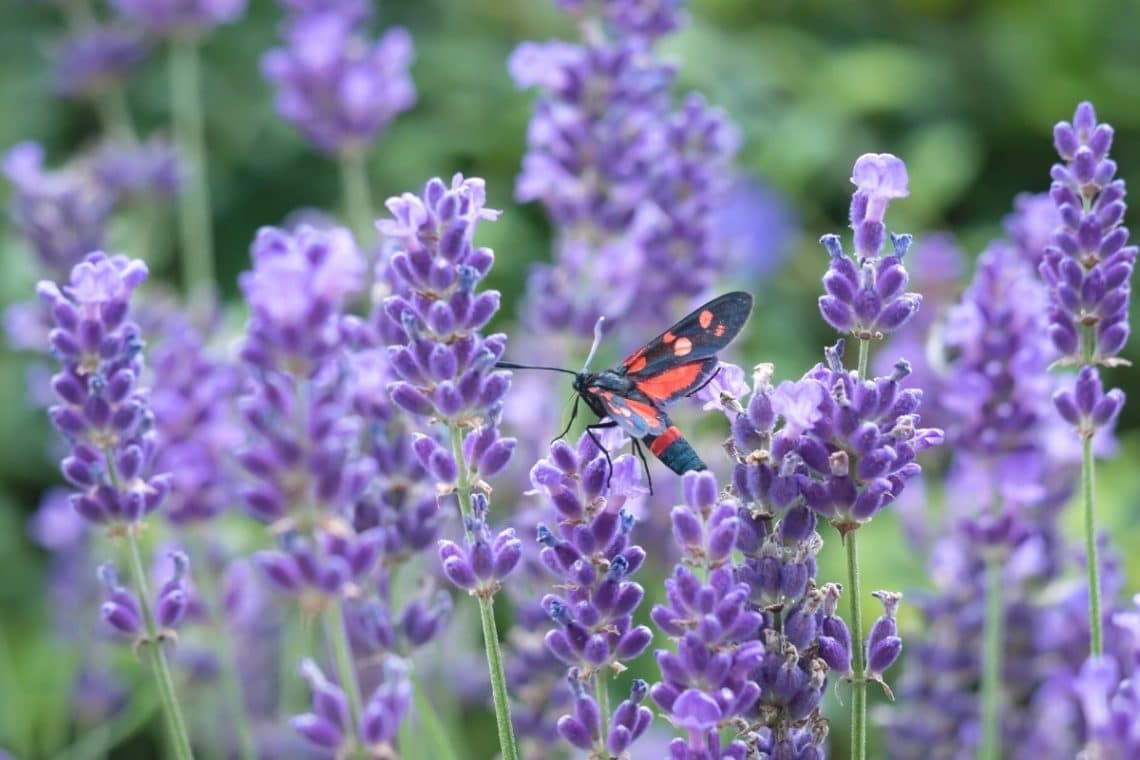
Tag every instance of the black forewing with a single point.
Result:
(696, 336)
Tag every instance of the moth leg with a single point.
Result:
(698, 389)
(590, 432)
(641, 455)
(573, 416)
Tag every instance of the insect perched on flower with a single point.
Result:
(676, 363)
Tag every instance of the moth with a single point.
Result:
(634, 394)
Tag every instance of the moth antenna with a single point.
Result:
(597, 342)
(512, 365)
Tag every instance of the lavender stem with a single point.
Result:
(507, 741)
(179, 740)
(1088, 477)
(333, 619)
(602, 697)
(855, 597)
(194, 225)
(356, 196)
(992, 662)
(858, 667)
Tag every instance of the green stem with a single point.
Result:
(602, 697)
(194, 224)
(115, 114)
(507, 743)
(437, 737)
(864, 358)
(1088, 478)
(230, 676)
(153, 649)
(333, 619)
(855, 602)
(992, 663)
(858, 667)
(356, 196)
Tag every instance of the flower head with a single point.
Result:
(334, 85)
(1088, 265)
(102, 412)
(63, 214)
(88, 63)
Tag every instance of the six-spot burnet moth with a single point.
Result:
(678, 362)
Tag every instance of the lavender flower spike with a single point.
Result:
(446, 367)
(1088, 265)
(103, 413)
(63, 214)
(709, 680)
(865, 293)
(337, 88)
(1087, 270)
(445, 370)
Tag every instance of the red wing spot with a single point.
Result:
(664, 441)
(636, 364)
(671, 382)
(682, 347)
(668, 338)
(705, 319)
(719, 330)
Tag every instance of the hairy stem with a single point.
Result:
(194, 224)
(155, 654)
(1088, 479)
(992, 662)
(507, 743)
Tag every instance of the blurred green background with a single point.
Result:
(966, 92)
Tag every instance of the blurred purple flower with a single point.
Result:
(88, 63)
(138, 171)
(175, 18)
(759, 227)
(196, 425)
(63, 214)
(336, 87)
(633, 184)
(644, 18)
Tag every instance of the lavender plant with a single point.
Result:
(446, 372)
(865, 435)
(1087, 268)
(105, 417)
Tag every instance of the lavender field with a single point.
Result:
(593, 379)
